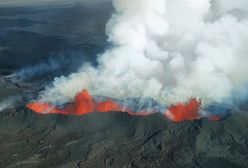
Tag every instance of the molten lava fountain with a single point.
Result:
(84, 104)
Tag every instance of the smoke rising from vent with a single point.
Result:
(170, 50)
(9, 102)
(37, 70)
(57, 64)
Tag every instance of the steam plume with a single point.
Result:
(52, 66)
(170, 50)
(37, 70)
(9, 102)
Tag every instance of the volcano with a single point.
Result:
(95, 129)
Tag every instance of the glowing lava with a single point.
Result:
(84, 103)
(184, 111)
(109, 105)
(39, 107)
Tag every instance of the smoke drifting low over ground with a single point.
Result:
(170, 50)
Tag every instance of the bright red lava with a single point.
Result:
(84, 103)
(184, 111)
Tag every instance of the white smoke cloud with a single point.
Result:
(51, 66)
(171, 50)
(9, 102)
(37, 70)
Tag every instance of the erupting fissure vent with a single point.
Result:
(84, 103)
(187, 111)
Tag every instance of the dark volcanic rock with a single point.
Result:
(114, 140)
(119, 140)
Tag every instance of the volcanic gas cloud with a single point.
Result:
(170, 50)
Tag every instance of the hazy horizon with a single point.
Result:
(46, 2)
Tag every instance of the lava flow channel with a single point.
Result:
(84, 103)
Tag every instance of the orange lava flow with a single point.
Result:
(84, 103)
(215, 118)
(44, 108)
(109, 105)
(181, 112)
